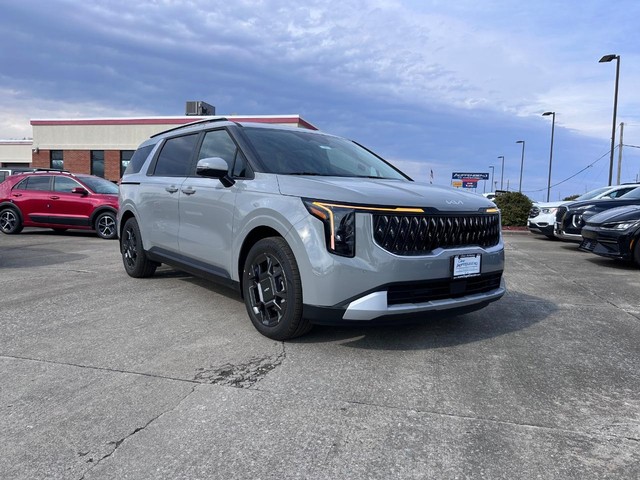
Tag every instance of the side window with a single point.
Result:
(138, 158)
(64, 184)
(175, 157)
(35, 182)
(218, 143)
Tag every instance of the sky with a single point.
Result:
(432, 85)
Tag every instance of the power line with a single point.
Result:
(574, 175)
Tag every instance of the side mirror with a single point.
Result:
(79, 191)
(215, 167)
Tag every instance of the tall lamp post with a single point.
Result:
(553, 126)
(492, 171)
(501, 171)
(605, 59)
(521, 165)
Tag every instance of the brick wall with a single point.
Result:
(40, 159)
(79, 161)
(112, 164)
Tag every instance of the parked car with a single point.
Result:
(58, 200)
(614, 233)
(542, 216)
(8, 171)
(307, 226)
(571, 218)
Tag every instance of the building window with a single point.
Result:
(97, 163)
(125, 158)
(56, 160)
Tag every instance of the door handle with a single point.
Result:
(171, 189)
(17, 195)
(188, 191)
(54, 197)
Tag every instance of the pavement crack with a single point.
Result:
(116, 444)
(241, 375)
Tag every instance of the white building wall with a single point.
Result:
(15, 151)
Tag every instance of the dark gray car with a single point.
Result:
(308, 227)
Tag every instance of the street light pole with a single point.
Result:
(492, 172)
(605, 59)
(501, 172)
(553, 126)
(521, 165)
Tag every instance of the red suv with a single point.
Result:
(58, 200)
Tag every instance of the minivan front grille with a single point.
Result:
(560, 213)
(421, 234)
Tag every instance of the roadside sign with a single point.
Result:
(469, 176)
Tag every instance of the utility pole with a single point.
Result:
(620, 153)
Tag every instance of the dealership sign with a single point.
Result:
(469, 176)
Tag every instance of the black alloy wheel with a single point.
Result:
(10, 222)
(105, 226)
(273, 291)
(135, 260)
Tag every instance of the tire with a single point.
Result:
(271, 266)
(10, 221)
(135, 260)
(636, 251)
(105, 226)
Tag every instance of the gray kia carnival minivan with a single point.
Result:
(308, 227)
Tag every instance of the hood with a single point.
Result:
(603, 204)
(383, 192)
(618, 214)
(548, 204)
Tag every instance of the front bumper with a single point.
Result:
(541, 228)
(376, 285)
(559, 232)
(608, 243)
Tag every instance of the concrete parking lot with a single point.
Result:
(108, 377)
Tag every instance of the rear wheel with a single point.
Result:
(10, 222)
(636, 251)
(105, 226)
(273, 291)
(135, 260)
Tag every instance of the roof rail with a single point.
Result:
(49, 170)
(204, 120)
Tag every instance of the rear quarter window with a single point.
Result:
(138, 159)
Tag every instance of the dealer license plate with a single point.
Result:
(466, 265)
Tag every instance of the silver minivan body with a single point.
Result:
(208, 226)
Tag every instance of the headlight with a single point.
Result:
(549, 210)
(624, 225)
(339, 226)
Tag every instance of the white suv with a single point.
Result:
(308, 227)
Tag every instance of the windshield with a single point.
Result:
(100, 185)
(292, 152)
(592, 193)
(635, 193)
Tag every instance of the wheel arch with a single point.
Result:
(250, 240)
(99, 211)
(13, 206)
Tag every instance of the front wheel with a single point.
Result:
(10, 222)
(135, 260)
(636, 251)
(272, 290)
(105, 226)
